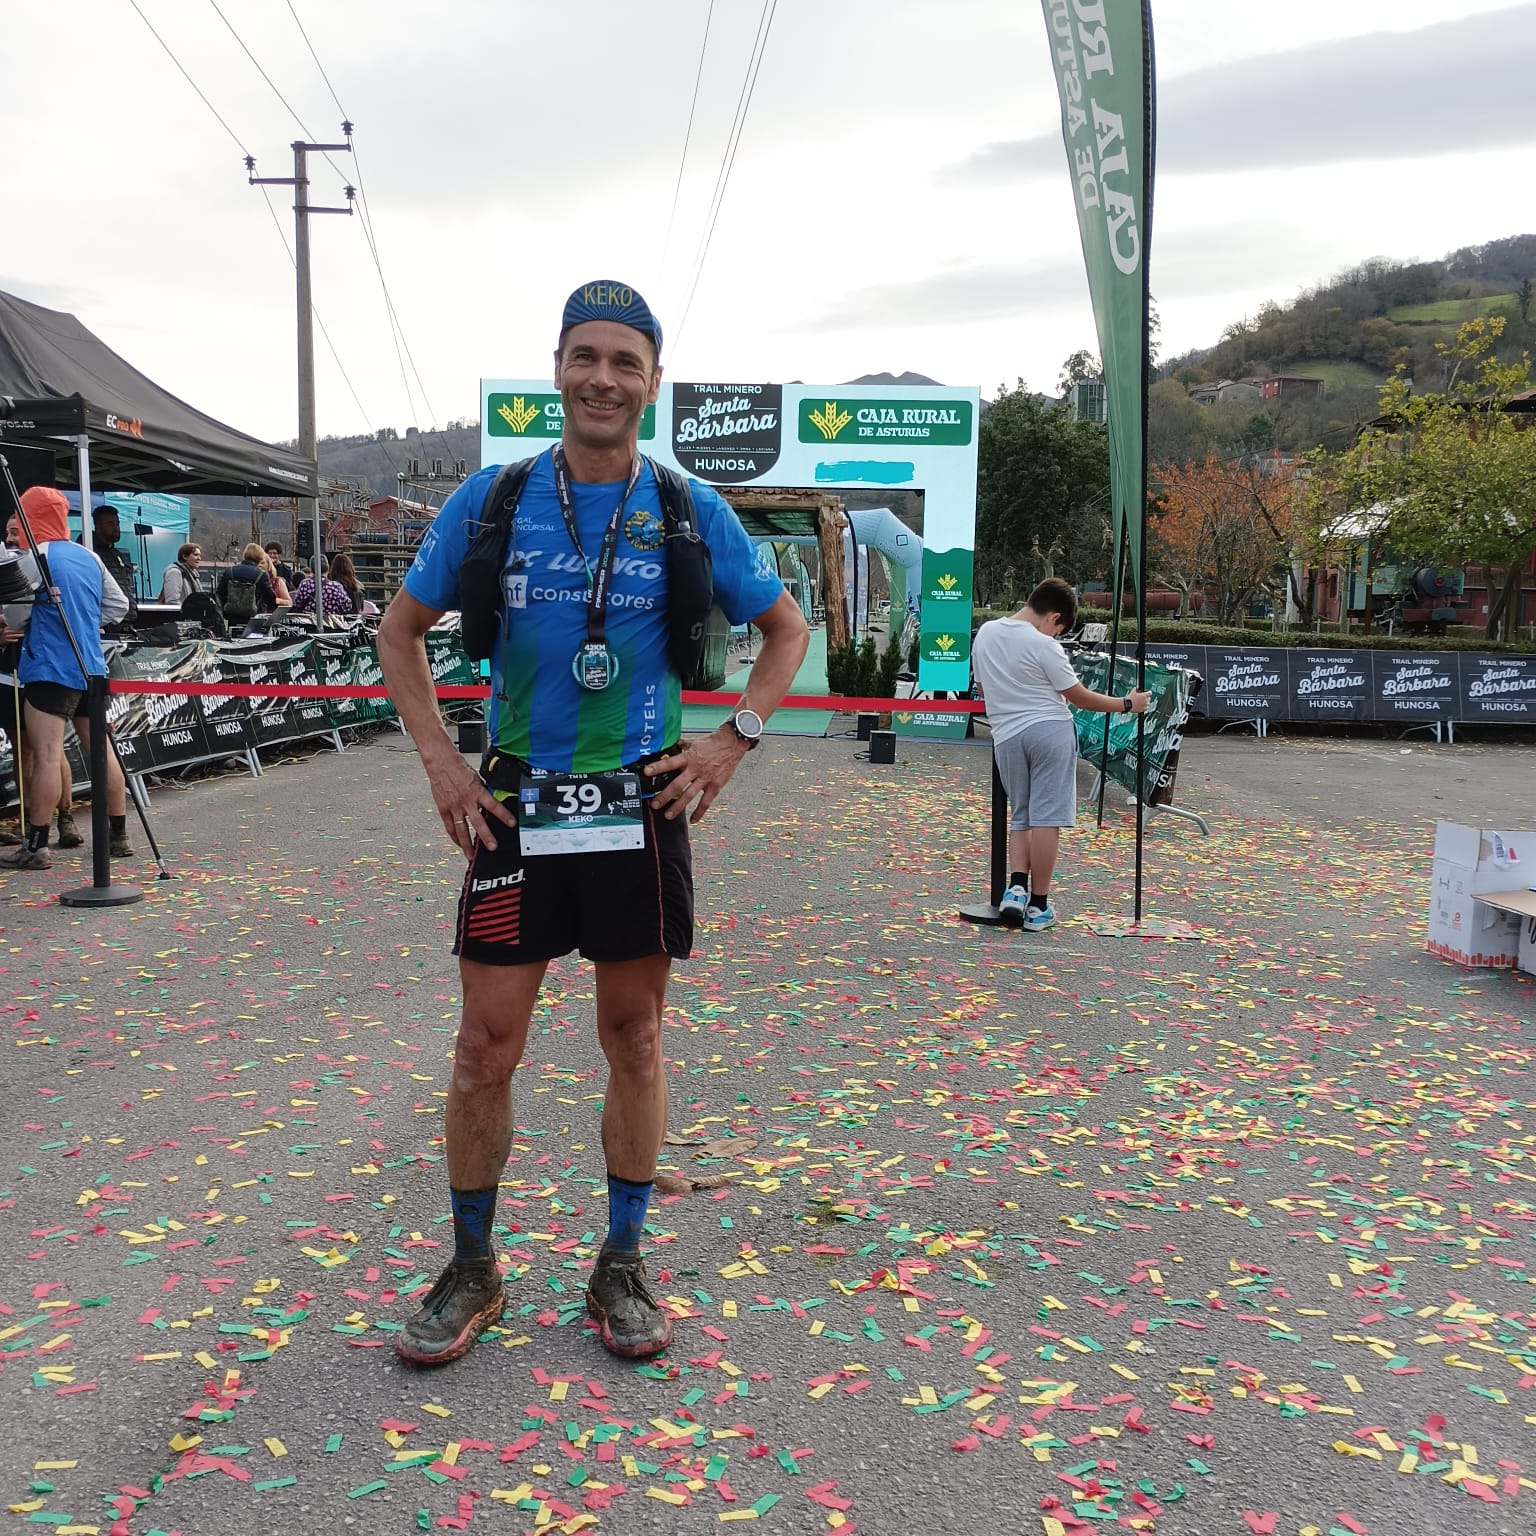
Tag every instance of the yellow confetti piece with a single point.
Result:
(451, 1453)
(185, 1442)
(1352, 1383)
(727, 1309)
(436, 1410)
(54, 1466)
(558, 1391)
(275, 1445)
(666, 1496)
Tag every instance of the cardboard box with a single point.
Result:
(1492, 861)
(1521, 905)
(1471, 863)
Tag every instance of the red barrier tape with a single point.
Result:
(835, 702)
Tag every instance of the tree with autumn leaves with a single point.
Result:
(1223, 527)
(1442, 477)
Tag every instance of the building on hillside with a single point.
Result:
(1284, 386)
(1245, 393)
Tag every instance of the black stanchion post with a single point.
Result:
(101, 892)
(989, 912)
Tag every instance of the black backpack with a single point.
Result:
(239, 601)
(690, 567)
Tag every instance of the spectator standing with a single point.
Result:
(245, 589)
(107, 529)
(337, 598)
(269, 565)
(284, 567)
(53, 685)
(181, 579)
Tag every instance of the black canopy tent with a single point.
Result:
(65, 389)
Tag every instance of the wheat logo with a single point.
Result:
(947, 582)
(830, 419)
(906, 719)
(518, 415)
(945, 643)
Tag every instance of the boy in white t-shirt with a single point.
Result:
(1027, 682)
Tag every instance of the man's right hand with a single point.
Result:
(467, 807)
(1141, 701)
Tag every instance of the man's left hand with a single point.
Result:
(703, 769)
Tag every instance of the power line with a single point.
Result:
(188, 78)
(316, 57)
(202, 96)
(397, 330)
(688, 134)
(743, 106)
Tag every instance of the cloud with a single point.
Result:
(1457, 85)
(1186, 263)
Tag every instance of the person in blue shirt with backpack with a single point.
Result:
(575, 829)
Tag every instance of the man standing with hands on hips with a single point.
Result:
(576, 828)
(1027, 682)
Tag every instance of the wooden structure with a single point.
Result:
(766, 511)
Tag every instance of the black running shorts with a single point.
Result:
(55, 699)
(610, 906)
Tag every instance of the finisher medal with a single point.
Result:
(595, 666)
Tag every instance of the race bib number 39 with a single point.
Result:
(579, 813)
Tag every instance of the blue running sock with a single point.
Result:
(473, 1212)
(627, 1204)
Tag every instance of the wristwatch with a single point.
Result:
(748, 725)
(1125, 705)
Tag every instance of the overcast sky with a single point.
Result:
(899, 198)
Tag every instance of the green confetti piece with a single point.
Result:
(332, 1443)
(367, 1488)
(766, 1503)
(274, 1482)
(789, 1463)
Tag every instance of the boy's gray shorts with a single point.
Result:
(1038, 768)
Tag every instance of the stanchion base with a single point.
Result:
(101, 896)
(982, 912)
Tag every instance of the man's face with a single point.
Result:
(275, 552)
(108, 528)
(606, 374)
(12, 533)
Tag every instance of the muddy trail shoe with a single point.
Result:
(120, 847)
(467, 1299)
(26, 858)
(630, 1321)
(11, 838)
(70, 835)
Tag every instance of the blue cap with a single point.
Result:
(611, 301)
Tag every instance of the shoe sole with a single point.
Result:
(465, 1341)
(644, 1351)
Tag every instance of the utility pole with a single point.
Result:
(302, 208)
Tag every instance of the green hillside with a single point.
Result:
(1454, 311)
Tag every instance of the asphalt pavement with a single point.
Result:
(1229, 1231)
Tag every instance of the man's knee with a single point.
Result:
(485, 1056)
(632, 1044)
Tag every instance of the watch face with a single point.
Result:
(749, 724)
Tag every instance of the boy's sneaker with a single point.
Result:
(467, 1299)
(1011, 907)
(630, 1321)
(26, 858)
(1037, 919)
(69, 832)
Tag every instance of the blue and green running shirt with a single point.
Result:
(538, 710)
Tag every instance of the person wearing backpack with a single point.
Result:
(575, 829)
(245, 589)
